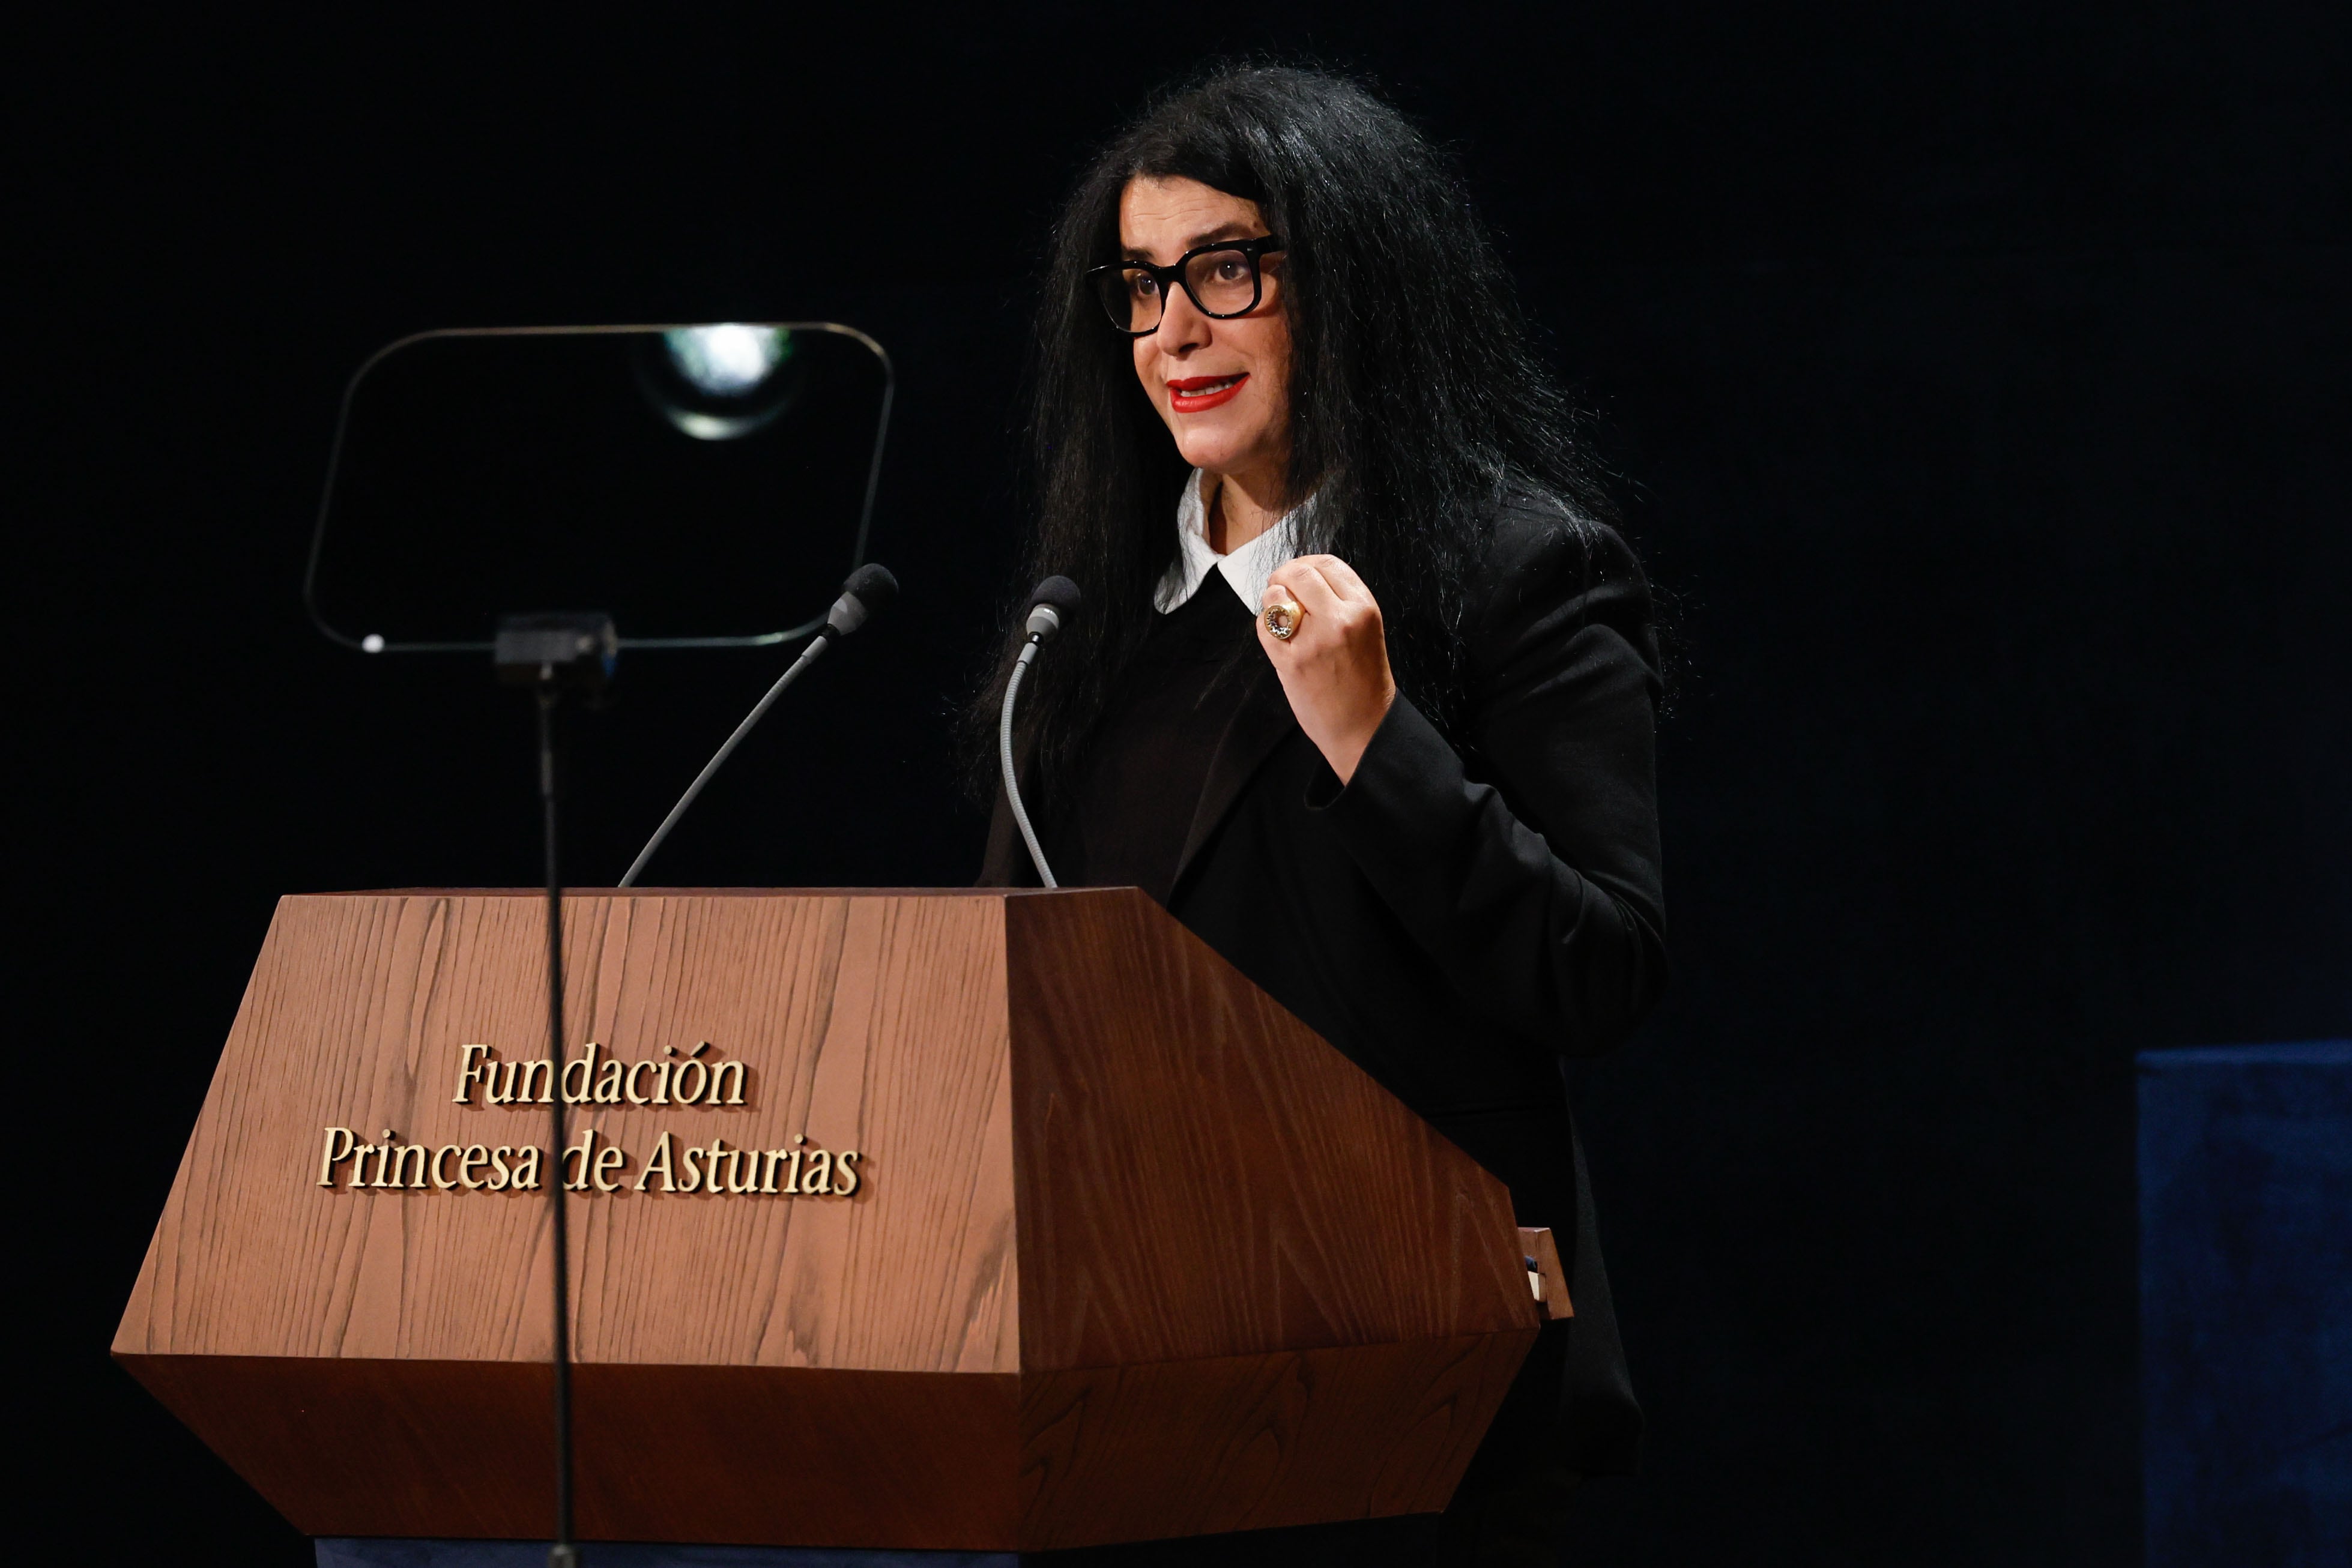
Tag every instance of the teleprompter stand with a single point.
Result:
(553, 654)
(473, 469)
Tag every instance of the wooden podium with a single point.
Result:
(967, 1219)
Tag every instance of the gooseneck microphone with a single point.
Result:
(868, 592)
(1050, 603)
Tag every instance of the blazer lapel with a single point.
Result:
(1262, 720)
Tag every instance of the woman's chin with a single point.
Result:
(1220, 451)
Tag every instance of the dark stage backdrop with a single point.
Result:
(1976, 377)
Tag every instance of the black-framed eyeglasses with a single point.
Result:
(1221, 279)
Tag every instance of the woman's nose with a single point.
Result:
(1181, 325)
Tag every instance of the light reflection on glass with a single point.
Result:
(727, 360)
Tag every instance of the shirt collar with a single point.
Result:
(1246, 569)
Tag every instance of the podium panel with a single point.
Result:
(981, 1219)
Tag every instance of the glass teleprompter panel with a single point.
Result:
(706, 485)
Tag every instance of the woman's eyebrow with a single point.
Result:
(1237, 229)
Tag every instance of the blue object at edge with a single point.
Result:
(2245, 1197)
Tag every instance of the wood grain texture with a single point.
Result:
(1134, 1254)
(868, 1023)
(349, 1447)
(1170, 1449)
(1537, 1243)
(1199, 1175)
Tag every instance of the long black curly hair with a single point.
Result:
(1415, 404)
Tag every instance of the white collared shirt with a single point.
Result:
(1246, 569)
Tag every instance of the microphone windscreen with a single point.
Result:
(872, 585)
(1058, 592)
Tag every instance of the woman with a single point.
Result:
(1362, 692)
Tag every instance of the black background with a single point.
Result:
(476, 471)
(1977, 379)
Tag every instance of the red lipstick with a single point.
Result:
(1190, 394)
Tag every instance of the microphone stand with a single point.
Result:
(552, 654)
(869, 590)
(1053, 600)
(1005, 760)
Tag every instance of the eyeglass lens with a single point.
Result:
(1221, 282)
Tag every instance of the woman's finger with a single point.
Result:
(1306, 585)
(1342, 579)
(1333, 574)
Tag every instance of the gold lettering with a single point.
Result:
(719, 1076)
(470, 1072)
(585, 1065)
(584, 1150)
(398, 1159)
(658, 1161)
(594, 1164)
(335, 1156)
(383, 1158)
(542, 1073)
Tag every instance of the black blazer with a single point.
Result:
(1460, 917)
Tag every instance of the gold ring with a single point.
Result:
(1282, 618)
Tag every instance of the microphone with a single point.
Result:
(868, 592)
(1051, 602)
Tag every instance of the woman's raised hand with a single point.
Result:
(1335, 666)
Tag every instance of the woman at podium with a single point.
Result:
(1365, 687)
